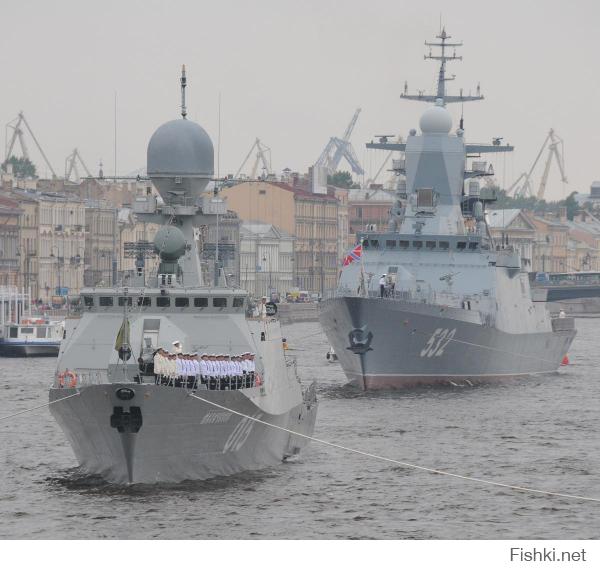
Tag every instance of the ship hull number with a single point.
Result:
(437, 343)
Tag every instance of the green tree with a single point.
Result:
(22, 167)
(341, 179)
(571, 205)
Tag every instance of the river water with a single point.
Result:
(540, 432)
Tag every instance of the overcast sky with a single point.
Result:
(293, 72)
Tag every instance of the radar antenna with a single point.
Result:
(183, 84)
(442, 57)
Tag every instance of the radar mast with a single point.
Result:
(442, 57)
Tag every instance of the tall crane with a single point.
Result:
(338, 148)
(71, 166)
(18, 133)
(555, 146)
(263, 154)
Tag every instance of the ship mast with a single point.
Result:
(443, 57)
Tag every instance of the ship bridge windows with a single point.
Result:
(163, 301)
(417, 244)
(444, 245)
(40, 332)
(473, 245)
(106, 301)
(238, 302)
(403, 244)
(125, 301)
(26, 330)
(375, 243)
(200, 302)
(144, 301)
(462, 245)
(220, 302)
(390, 243)
(430, 244)
(88, 301)
(14, 332)
(182, 301)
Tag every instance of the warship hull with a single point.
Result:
(388, 343)
(162, 434)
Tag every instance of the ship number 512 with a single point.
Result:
(437, 343)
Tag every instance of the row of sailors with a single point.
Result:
(217, 371)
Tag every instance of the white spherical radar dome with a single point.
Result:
(180, 148)
(436, 120)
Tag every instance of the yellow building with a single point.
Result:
(313, 219)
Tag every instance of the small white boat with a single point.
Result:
(31, 337)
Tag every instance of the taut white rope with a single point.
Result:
(401, 463)
(38, 407)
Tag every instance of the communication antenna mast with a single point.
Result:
(443, 57)
(18, 133)
(183, 86)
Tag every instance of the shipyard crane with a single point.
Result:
(338, 148)
(263, 154)
(18, 133)
(555, 146)
(71, 166)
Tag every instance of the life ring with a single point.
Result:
(68, 379)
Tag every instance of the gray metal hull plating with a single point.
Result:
(181, 438)
(389, 343)
(29, 349)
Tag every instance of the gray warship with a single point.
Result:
(433, 298)
(127, 425)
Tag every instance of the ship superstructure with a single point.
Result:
(433, 298)
(132, 422)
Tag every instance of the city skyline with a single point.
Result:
(294, 75)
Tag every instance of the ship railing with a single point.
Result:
(411, 296)
(91, 376)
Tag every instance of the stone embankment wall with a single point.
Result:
(297, 312)
(577, 307)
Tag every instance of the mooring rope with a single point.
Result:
(40, 406)
(400, 463)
